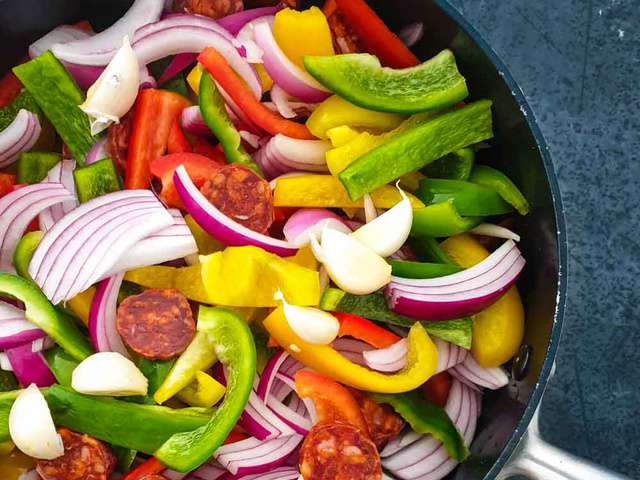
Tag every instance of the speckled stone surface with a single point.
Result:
(578, 63)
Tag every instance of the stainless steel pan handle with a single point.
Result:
(537, 460)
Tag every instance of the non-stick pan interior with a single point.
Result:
(518, 149)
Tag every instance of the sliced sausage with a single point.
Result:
(210, 8)
(241, 195)
(85, 458)
(345, 39)
(156, 324)
(153, 476)
(339, 451)
(118, 136)
(384, 424)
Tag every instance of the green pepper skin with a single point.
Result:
(407, 269)
(24, 251)
(469, 199)
(454, 166)
(360, 79)
(24, 100)
(8, 381)
(236, 350)
(61, 365)
(215, 116)
(39, 310)
(155, 370)
(458, 331)
(413, 149)
(441, 220)
(428, 249)
(58, 95)
(96, 180)
(428, 419)
(33, 167)
(498, 181)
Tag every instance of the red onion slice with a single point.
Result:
(179, 63)
(102, 317)
(235, 22)
(18, 208)
(284, 72)
(15, 329)
(59, 35)
(280, 473)
(412, 33)
(183, 20)
(5, 364)
(98, 49)
(470, 370)
(261, 421)
(390, 359)
(284, 154)
(18, 137)
(252, 456)
(218, 225)
(193, 123)
(97, 152)
(310, 221)
(61, 173)
(29, 367)
(449, 355)
(208, 471)
(492, 230)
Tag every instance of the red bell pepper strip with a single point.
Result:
(7, 182)
(436, 389)
(357, 327)
(375, 35)
(10, 87)
(199, 168)
(203, 147)
(333, 402)
(264, 118)
(155, 112)
(235, 435)
(150, 467)
(177, 141)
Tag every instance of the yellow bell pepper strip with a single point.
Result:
(497, 330)
(342, 135)
(205, 391)
(15, 463)
(187, 279)
(234, 345)
(194, 77)
(80, 305)
(265, 79)
(422, 359)
(416, 148)
(249, 277)
(205, 242)
(302, 33)
(305, 258)
(326, 191)
(335, 112)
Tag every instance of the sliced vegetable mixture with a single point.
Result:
(227, 250)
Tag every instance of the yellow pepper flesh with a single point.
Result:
(186, 279)
(80, 305)
(422, 359)
(499, 329)
(205, 391)
(205, 242)
(326, 191)
(249, 277)
(342, 135)
(300, 33)
(336, 111)
(194, 77)
(15, 463)
(265, 79)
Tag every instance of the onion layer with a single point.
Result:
(252, 456)
(102, 317)
(284, 154)
(469, 371)
(18, 137)
(311, 221)
(15, 329)
(61, 173)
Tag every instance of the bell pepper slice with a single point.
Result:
(214, 113)
(437, 388)
(422, 359)
(96, 180)
(186, 279)
(441, 220)
(498, 330)
(205, 391)
(360, 79)
(428, 248)
(375, 35)
(300, 33)
(469, 199)
(24, 251)
(269, 121)
(10, 88)
(326, 191)
(80, 305)
(33, 167)
(205, 242)
(495, 179)
(341, 135)
(39, 310)
(199, 168)
(336, 111)
(23, 100)
(455, 166)
(408, 269)
(7, 183)
(177, 141)
(194, 77)
(233, 344)
(249, 277)
(355, 326)
(332, 401)
(149, 467)
(154, 114)
(427, 419)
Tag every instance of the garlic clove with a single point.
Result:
(311, 324)
(31, 427)
(387, 233)
(108, 373)
(115, 91)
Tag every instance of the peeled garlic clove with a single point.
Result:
(108, 373)
(311, 324)
(31, 426)
(115, 91)
(353, 266)
(388, 232)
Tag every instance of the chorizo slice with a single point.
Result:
(383, 423)
(241, 195)
(118, 136)
(210, 8)
(153, 476)
(156, 324)
(339, 451)
(345, 39)
(85, 458)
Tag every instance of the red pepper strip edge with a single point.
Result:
(362, 329)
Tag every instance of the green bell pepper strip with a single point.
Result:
(469, 199)
(455, 166)
(24, 100)
(58, 96)
(407, 269)
(8, 381)
(33, 167)
(234, 347)
(177, 85)
(374, 307)
(498, 181)
(24, 251)
(441, 220)
(39, 310)
(432, 139)
(361, 79)
(215, 116)
(96, 180)
(428, 249)
(156, 372)
(428, 419)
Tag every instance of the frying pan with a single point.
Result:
(507, 442)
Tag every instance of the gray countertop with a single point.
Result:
(578, 63)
